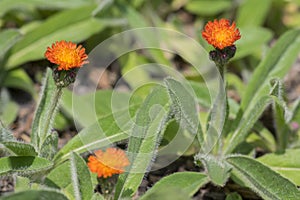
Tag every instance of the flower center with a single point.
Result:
(68, 56)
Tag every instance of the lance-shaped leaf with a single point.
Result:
(286, 164)
(103, 133)
(8, 108)
(246, 124)
(7, 39)
(145, 138)
(23, 165)
(200, 7)
(259, 12)
(281, 115)
(188, 182)
(295, 111)
(136, 20)
(111, 102)
(217, 169)
(276, 64)
(81, 178)
(41, 124)
(36, 195)
(67, 25)
(19, 148)
(19, 79)
(7, 5)
(263, 180)
(49, 147)
(184, 105)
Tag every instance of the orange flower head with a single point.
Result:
(220, 33)
(105, 164)
(66, 55)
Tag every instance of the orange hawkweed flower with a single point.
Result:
(66, 55)
(220, 33)
(108, 163)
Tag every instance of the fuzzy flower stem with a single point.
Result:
(53, 105)
(221, 69)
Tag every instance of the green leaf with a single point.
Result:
(202, 93)
(36, 195)
(253, 42)
(136, 20)
(183, 101)
(217, 118)
(264, 181)
(177, 141)
(245, 125)
(8, 108)
(287, 164)
(49, 146)
(98, 105)
(278, 61)
(61, 121)
(68, 25)
(217, 169)
(7, 5)
(184, 107)
(233, 108)
(257, 9)
(295, 111)
(234, 81)
(207, 7)
(92, 138)
(133, 73)
(81, 178)
(281, 115)
(19, 79)
(260, 137)
(19, 148)
(59, 177)
(100, 134)
(23, 165)
(144, 141)
(188, 182)
(8, 38)
(111, 123)
(30, 26)
(276, 64)
(22, 184)
(168, 193)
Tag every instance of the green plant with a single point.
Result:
(223, 135)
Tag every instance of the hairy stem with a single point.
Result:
(51, 112)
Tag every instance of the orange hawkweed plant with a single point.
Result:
(105, 164)
(68, 57)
